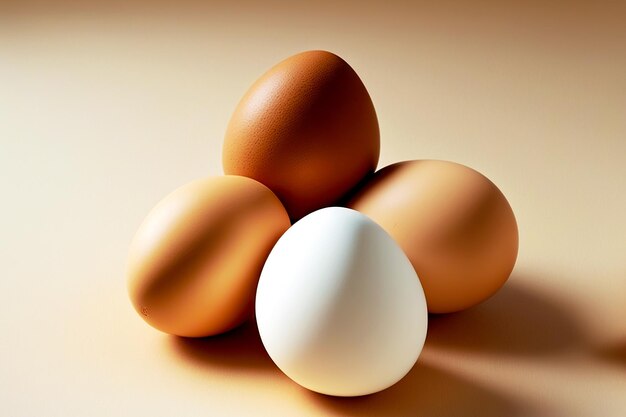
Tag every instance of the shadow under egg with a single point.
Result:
(515, 321)
(424, 391)
(240, 348)
(614, 354)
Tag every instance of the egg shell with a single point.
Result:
(339, 307)
(307, 129)
(195, 261)
(454, 224)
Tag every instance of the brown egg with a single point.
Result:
(307, 129)
(195, 261)
(455, 226)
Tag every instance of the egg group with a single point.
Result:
(342, 296)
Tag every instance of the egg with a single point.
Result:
(307, 129)
(454, 224)
(195, 261)
(339, 307)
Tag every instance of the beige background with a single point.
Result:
(105, 108)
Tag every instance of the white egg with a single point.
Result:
(339, 307)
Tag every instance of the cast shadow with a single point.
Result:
(515, 321)
(240, 348)
(425, 391)
(614, 354)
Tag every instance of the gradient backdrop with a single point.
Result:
(105, 107)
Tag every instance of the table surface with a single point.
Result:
(105, 108)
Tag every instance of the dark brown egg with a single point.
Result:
(307, 129)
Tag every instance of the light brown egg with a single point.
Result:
(454, 224)
(307, 129)
(195, 261)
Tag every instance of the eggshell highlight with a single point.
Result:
(454, 224)
(307, 129)
(195, 261)
(339, 307)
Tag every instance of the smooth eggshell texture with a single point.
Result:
(339, 307)
(453, 223)
(307, 129)
(195, 261)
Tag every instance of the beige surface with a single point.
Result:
(105, 109)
